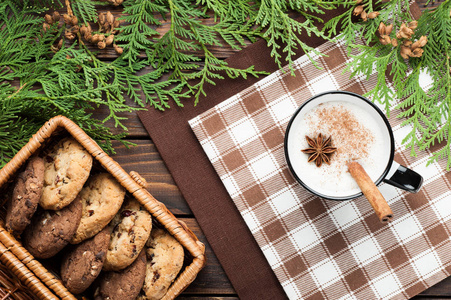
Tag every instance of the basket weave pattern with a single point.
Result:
(42, 283)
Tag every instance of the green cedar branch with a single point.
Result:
(36, 85)
(427, 113)
(85, 10)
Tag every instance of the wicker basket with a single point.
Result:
(42, 283)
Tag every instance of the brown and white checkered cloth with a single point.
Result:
(322, 249)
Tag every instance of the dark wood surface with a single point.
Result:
(212, 282)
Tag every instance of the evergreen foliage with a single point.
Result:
(37, 83)
(85, 10)
(426, 113)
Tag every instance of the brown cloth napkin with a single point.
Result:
(222, 224)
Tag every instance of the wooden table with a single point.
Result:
(212, 282)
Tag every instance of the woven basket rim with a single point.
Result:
(133, 184)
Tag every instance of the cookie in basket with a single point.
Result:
(67, 167)
(26, 194)
(164, 260)
(132, 227)
(51, 230)
(125, 284)
(102, 197)
(81, 266)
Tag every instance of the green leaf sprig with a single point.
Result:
(425, 112)
(166, 57)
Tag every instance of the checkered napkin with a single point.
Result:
(322, 249)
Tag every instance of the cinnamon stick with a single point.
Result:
(371, 192)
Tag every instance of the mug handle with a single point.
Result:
(404, 178)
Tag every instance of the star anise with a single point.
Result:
(319, 150)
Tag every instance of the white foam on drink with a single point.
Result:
(356, 135)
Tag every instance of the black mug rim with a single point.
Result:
(387, 124)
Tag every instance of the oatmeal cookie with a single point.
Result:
(81, 266)
(51, 230)
(26, 194)
(125, 284)
(164, 261)
(102, 197)
(67, 167)
(132, 227)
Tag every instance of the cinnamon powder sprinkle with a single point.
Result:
(349, 136)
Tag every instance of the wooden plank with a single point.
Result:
(145, 159)
(421, 297)
(212, 278)
(441, 289)
(132, 122)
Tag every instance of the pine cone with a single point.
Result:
(388, 29)
(364, 16)
(373, 15)
(405, 52)
(109, 40)
(67, 19)
(404, 32)
(116, 2)
(74, 20)
(413, 25)
(423, 41)
(83, 29)
(385, 39)
(48, 18)
(45, 26)
(69, 35)
(118, 49)
(88, 37)
(110, 18)
(418, 52)
(101, 18)
(382, 29)
(101, 45)
(75, 29)
(56, 16)
(358, 10)
(95, 38)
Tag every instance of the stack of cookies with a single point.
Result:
(104, 236)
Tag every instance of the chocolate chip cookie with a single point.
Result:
(67, 167)
(125, 284)
(26, 194)
(164, 261)
(51, 230)
(81, 266)
(132, 227)
(102, 197)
